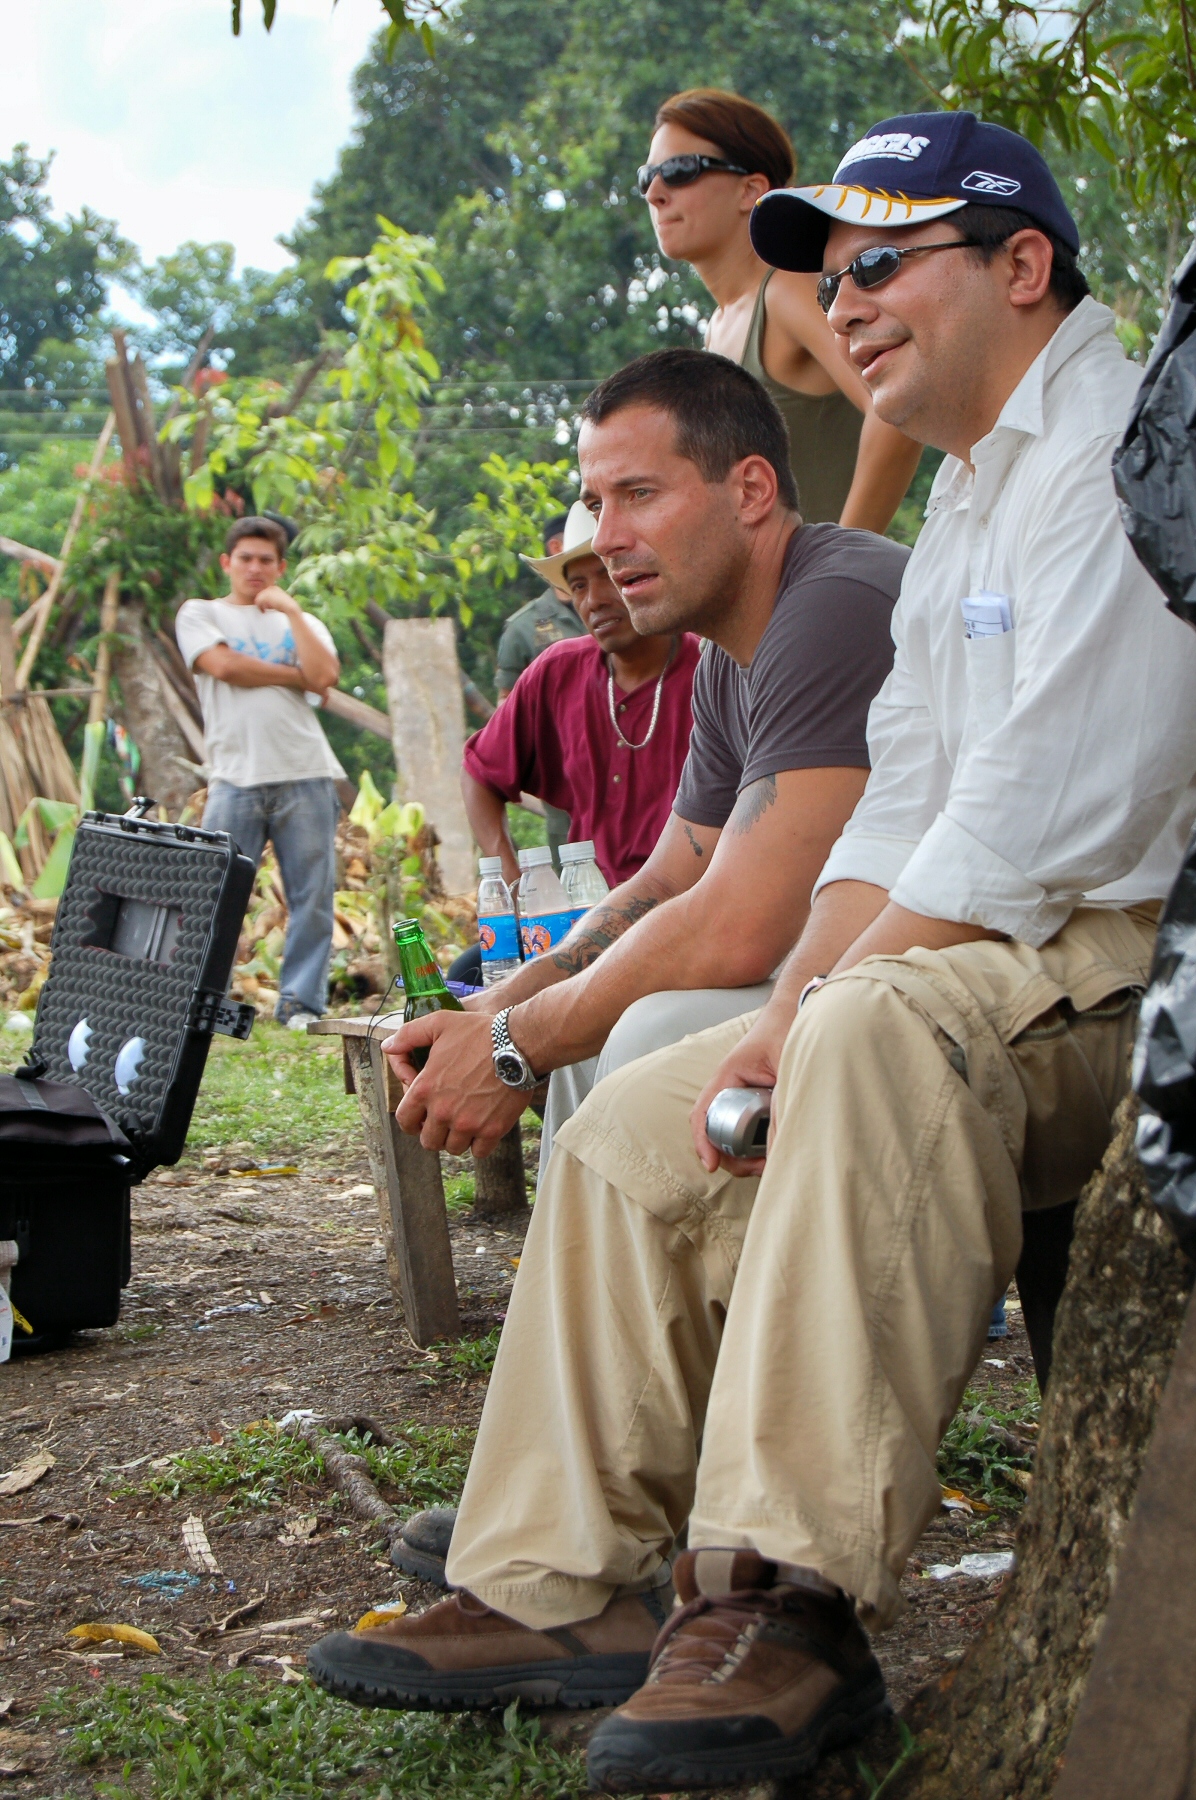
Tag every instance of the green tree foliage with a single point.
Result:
(52, 276)
(261, 323)
(1117, 78)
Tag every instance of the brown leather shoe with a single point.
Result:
(757, 1672)
(461, 1654)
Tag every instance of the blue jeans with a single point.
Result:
(299, 818)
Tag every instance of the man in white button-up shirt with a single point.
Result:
(773, 1351)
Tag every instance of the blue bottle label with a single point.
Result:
(541, 931)
(497, 936)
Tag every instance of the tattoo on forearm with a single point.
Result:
(697, 848)
(752, 804)
(606, 924)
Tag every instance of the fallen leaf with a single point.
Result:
(1021, 1478)
(300, 1531)
(173, 1713)
(195, 1543)
(381, 1615)
(955, 1501)
(27, 1474)
(284, 1666)
(117, 1634)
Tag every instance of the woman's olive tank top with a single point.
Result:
(824, 430)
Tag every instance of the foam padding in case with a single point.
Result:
(146, 927)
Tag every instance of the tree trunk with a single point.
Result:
(167, 759)
(995, 1728)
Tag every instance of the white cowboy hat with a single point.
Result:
(578, 535)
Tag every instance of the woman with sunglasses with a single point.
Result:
(712, 156)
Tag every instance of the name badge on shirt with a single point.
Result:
(986, 614)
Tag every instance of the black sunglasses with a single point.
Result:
(872, 267)
(679, 171)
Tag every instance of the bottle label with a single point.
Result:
(542, 930)
(497, 937)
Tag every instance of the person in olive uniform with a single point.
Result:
(543, 621)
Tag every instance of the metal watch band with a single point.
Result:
(505, 1051)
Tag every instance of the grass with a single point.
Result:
(230, 1734)
(277, 1095)
(458, 1193)
(260, 1466)
(988, 1441)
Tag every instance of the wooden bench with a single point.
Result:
(409, 1183)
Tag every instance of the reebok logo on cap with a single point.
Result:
(981, 182)
(907, 171)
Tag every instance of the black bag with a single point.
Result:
(142, 950)
(1154, 469)
(1154, 466)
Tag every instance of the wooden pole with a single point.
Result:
(22, 553)
(98, 709)
(8, 655)
(44, 605)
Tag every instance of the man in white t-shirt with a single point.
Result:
(257, 657)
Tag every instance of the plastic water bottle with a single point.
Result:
(498, 927)
(545, 909)
(581, 878)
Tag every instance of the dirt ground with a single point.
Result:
(189, 1366)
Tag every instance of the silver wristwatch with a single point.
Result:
(510, 1064)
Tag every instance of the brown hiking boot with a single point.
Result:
(461, 1654)
(757, 1672)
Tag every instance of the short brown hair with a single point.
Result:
(258, 528)
(743, 131)
(720, 412)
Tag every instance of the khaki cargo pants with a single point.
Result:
(776, 1360)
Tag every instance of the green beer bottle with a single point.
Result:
(423, 984)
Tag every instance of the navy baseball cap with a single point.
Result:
(905, 171)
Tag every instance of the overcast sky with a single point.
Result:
(163, 121)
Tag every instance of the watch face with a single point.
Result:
(509, 1068)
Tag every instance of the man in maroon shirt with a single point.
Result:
(598, 726)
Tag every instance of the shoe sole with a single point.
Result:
(423, 1564)
(587, 1681)
(632, 1769)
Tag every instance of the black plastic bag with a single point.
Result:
(1154, 469)
(1165, 1062)
(1154, 466)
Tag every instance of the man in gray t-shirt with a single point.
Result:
(684, 462)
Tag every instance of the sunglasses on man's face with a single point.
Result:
(873, 267)
(679, 171)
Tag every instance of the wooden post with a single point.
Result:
(408, 1183)
(419, 1221)
(499, 1184)
(427, 713)
(98, 709)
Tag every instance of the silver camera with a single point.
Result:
(737, 1121)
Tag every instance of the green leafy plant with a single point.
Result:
(880, 1784)
(989, 1445)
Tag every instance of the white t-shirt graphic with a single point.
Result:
(254, 735)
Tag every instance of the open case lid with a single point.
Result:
(143, 947)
